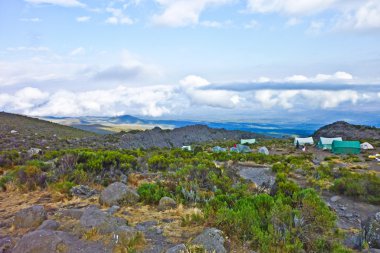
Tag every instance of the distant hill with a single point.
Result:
(17, 131)
(348, 131)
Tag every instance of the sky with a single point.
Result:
(216, 60)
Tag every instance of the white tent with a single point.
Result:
(264, 150)
(304, 141)
(366, 145)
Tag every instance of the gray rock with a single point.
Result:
(5, 244)
(166, 203)
(103, 222)
(123, 179)
(180, 248)
(377, 216)
(211, 240)
(34, 151)
(49, 225)
(113, 209)
(335, 198)
(30, 217)
(73, 213)
(118, 194)
(48, 241)
(371, 232)
(82, 191)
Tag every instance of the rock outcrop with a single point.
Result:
(166, 203)
(348, 131)
(48, 241)
(211, 240)
(118, 194)
(30, 217)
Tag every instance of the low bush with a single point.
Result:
(152, 193)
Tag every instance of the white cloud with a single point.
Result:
(336, 77)
(32, 49)
(83, 19)
(183, 12)
(118, 17)
(77, 51)
(253, 24)
(360, 17)
(293, 21)
(33, 20)
(315, 27)
(291, 7)
(64, 3)
(192, 87)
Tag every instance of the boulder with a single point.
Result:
(34, 151)
(48, 241)
(180, 248)
(118, 194)
(73, 213)
(335, 198)
(211, 240)
(30, 217)
(5, 244)
(82, 191)
(113, 209)
(105, 223)
(166, 203)
(371, 231)
(49, 225)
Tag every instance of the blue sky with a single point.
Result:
(200, 59)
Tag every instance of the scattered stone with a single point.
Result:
(105, 223)
(5, 244)
(335, 198)
(34, 151)
(144, 226)
(118, 194)
(49, 225)
(377, 216)
(180, 248)
(211, 240)
(82, 191)
(73, 213)
(113, 209)
(371, 232)
(30, 217)
(48, 241)
(166, 203)
(166, 220)
(125, 232)
(123, 179)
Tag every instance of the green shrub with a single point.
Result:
(63, 187)
(151, 193)
(158, 162)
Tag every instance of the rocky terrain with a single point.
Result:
(140, 192)
(348, 131)
(24, 133)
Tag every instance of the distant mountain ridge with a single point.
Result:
(348, 131)
(98, 125)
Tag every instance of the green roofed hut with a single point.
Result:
(247, 141)
(345, 147)
(326, 143)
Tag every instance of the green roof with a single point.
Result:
(346, 144)
(346, 147)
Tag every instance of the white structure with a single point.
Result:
(326, 143)
(366, 145)
(304, 141)
(188, 148)
(264, 150)
(247, 141)
(13, 132)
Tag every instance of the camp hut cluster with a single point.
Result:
(326, 143)
(241, 148)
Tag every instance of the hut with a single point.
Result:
(345, 147)
(303, 141)
(247, 141)
(187, 148)
(326, 143)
